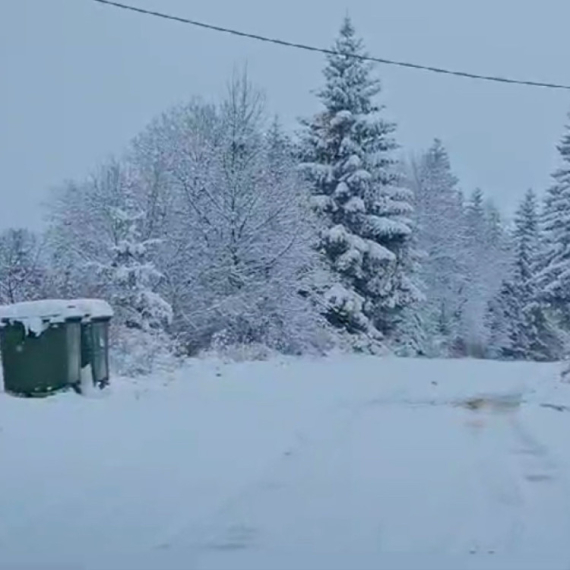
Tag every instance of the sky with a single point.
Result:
(78, 80)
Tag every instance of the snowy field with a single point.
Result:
(344, 463)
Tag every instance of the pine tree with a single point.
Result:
(486, 252)
(130, 280)
(364, 210)
(526, 241)
(130, 276)
(441, 236)
(475, 295)
(554, 279)
(475, 214)
(505, 323)
(518, 326)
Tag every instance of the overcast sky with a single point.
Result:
(78, 80)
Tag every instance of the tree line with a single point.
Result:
(216, 229)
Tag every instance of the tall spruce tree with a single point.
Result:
(347, 155)
(441, 237)
(526, 241)
(486, 254)
(474, 297)
(518, 326)
(554, 278)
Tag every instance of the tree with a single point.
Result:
(553, 275)
(237, 254)
(518, 326)
(526, 240)
(99, 248)
(553, 280)
(82, 229)
(486, 252)
(131, 278)
(21, 269)
(365, 212)
(441, 239)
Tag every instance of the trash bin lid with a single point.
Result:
(37, 316)
(92, 308)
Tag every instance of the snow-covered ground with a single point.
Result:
(344, 463)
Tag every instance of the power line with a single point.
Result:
(307, 47)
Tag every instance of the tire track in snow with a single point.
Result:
(320, 501)
(545, 487)
(498, 497)
(521, 485)
(499, 508)
(224, 530)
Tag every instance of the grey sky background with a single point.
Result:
(78, 80)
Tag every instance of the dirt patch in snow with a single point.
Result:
(500, 404)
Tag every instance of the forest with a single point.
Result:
(217, 229)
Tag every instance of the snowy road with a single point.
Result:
(347, 463)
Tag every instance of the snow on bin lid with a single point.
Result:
(36, 316)
(46, 309)
(92, 308)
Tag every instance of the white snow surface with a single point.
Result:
(310, 464)
(92, 308)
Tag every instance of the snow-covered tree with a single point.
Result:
(129, 276)
(553, 275)
(553, 280)
(81, 229)
(130, 280)
(22, 273)
(526, 241)
(364, 210)
(238, 249)
(519, 327)
(441, 240)
(99, 249)
(486, 252)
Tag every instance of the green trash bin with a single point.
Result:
(52, 345)
(97, 315)
(40, 344)
(94, 351)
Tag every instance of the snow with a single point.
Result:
(55, 310)
(340, 236)
(86, 379)
(337, 234)
(340, 463)
(355, 205)
(342, 190)
(360, 176)
(93, 308)
(387, 227)
(322, 202)
(344, 116)
(36, 316)
(379, 252)
(41, 309)
(339, 296)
